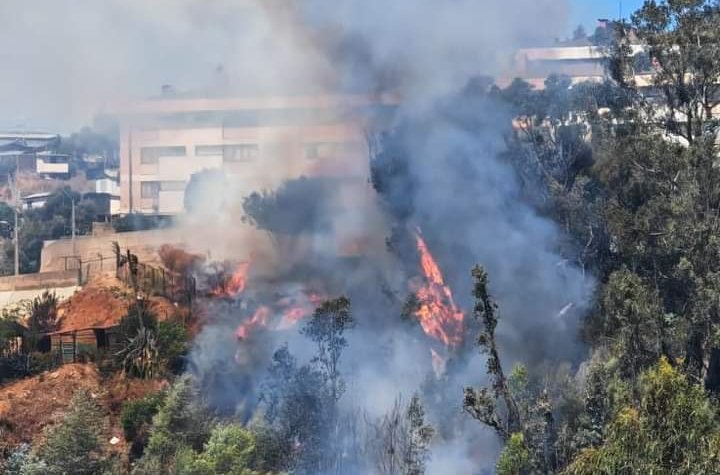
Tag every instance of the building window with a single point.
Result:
(150, 189)
(172, 186)
(206, 150)
(150, 155)
(316, 150)
(240, 153)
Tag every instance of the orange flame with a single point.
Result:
(292, 316)
(439, 317)
(293, 313)
(259, 319)
(236, 283)
(290, 309)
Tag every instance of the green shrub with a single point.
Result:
(42, 362)
(86, 353)
(136, 418)
(172, 340)
(180, 422)
(12, 367)
(74, 446)
(43, 313)
(230, 450)
(139, 355)
(138, 413)
(515, 457)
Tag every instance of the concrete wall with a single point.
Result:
(142, 243)
(39, 281)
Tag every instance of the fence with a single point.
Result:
(154, 280)
(89, 267)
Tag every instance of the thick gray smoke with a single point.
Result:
(79, 56)
(454, 185)
(65, 60)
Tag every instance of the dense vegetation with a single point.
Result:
(52, 221)
(631, 173)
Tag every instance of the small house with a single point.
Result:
(72, 343)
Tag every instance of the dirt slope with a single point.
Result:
(28, 405)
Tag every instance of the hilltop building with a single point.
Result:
(257, 141)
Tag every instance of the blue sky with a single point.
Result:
(586, 12)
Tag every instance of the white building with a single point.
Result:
(258, 141)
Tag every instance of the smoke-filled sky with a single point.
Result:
(65, 60)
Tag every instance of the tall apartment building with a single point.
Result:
(258, 141)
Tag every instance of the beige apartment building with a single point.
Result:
(581, 63)
(258, 141)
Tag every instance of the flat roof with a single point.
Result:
(175, 103)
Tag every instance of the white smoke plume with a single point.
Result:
(65, 60)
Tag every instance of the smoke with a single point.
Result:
(429, 47)
(77, 57)
(440, 169)
(66, 60)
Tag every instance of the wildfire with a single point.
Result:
(259, 319)
(290, 310)
(439, 317)
(236, 283)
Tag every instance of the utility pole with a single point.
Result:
(16, 203)
(130, 170)
(72, 200)
(72, 220)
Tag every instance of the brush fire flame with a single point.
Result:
(290, 310)
(437, 313)
(259, 319)
(236, 283)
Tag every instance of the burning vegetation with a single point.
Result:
(436, 311)
(417, 313)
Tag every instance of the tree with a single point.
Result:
(671, 429)
(297, 206)
(398, 443)
(481, 404)
(523, 417)
(230, 450)
(579, 33)
(181, 423)
(326, 328)
(136, 418)
(73, 446)
(420, 435)
(300, 403)
(297, 408)
(42, 318)
(634, 320)
(43, 313)
(172, 345)
(515, 458)
(681, 37)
